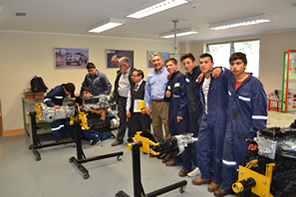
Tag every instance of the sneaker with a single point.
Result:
(193, 173)
(94, 143)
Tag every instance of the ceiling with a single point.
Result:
(74, 17)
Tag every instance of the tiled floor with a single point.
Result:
(21, 175)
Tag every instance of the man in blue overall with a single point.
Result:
(55, 99)
(178, 112)
(247, 103)
(213, 96)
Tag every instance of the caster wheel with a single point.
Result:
(38, 158)
(71, 159)
(182, 189)
(119, 157)
(30, 147)
(86, 176)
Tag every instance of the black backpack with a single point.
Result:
(37, 85)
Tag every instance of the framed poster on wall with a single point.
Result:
(165, 55)
(71, 58)
(114, 55)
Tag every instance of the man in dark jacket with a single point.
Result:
(97, 81)
(122, 85)
(55, 99)
(135, 106)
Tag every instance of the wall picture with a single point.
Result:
(165, 55)
(71, 58)
(114, 55)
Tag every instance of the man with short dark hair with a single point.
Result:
(138, 118)
(97, 81)
(247, 105)
(55, 99)
(122, 85)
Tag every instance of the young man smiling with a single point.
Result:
(178, 112)
(193, 79)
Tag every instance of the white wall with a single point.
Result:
(23, 55)
(272, 48)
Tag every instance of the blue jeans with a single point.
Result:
(96, 136)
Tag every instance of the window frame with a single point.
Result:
(207, 48)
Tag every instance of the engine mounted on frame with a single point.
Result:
(273, 149)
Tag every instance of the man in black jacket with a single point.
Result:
(122, 85)
(135, 106)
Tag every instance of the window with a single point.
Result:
(222, 51)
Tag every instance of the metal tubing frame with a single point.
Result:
(36, 142)
(81, 158)
(137, 182)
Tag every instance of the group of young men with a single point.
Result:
(222, 108)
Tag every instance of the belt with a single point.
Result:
(160, 100)
(122, 97)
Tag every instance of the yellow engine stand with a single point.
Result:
(146, 143)
(262, 182)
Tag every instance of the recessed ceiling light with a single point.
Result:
(165, 5)
(241, 22)
(106, 25)
(181, 32)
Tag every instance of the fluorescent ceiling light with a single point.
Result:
(182, 32)
(165, 5)
(242, 22)
(106, 25)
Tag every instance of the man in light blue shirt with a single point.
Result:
(154, 96)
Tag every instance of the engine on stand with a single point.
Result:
(95, 113)
(274, 147)
(100, 115)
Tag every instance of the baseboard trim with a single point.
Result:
(13, 132)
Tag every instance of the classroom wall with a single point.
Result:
(272, 48)
(23, 55)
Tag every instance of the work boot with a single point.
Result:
(213, 186)
(116, 142)
(200, 181)
(172, 163)
(183, 173)
(221, 192)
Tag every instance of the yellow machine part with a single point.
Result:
(146, 143)
(82, 117)
(262, 187)
(38, 111)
